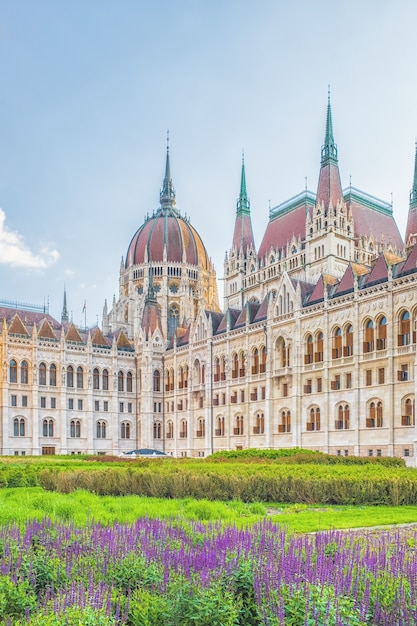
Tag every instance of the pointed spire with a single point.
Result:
(413, 192)
(411, 230)
(167, 195)
(243, 203)
(243, 233)
(64, 314)
(329, 149)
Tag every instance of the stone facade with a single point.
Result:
(316, 346)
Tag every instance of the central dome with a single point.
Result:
(167, 231)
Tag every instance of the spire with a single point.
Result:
(243, 234)
(167, 195)
(329, 189)
(329, 149)
(413, 192)
(64, 314)
(411, 230)
(243, 203)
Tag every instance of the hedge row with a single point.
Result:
(300, 455)
(358, 489)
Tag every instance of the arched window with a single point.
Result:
(48, 428)
(314, 419)
(319, 354)
(238, 429)
(13, 371)
(337, 344)
(368, 344)
(70, 376)
(259, 426)
(157, 380)
(75, 428)
(343, 417)
(129, 381)
(308, 356)
(242, 368)
(262, 365)
(381, 340)
(219, 431)
(125, 430)
(96, 378)
(24, 373)
(203, 374)
(157, 430)
(235, 365)
(375, 418)
(80, 378)
(285, 425)
(173, 315)
(408, 417)
(348, 347)
(404, 336)
(170, 430)
(121, 381)
(183, 429)
(201, 425)
(19, 427)
(223, 368)
(255, 361)
(105, 380)
(42, 374)
(52, 375)
(101, 429)
(197, 372)
(216, 369)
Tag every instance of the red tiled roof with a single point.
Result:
(411, 224)
(281, 228)
(46, 331)
(17, 327)
(243, 233)
(329, 187)
(369, 221)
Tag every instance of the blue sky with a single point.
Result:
(88, 89)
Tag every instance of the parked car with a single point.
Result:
(147, 452)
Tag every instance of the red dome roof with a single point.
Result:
(166, 228)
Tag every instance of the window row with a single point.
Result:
(48, 428)
(374, 419)
(375, 335)
(74, 376)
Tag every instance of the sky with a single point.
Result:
(88, 89)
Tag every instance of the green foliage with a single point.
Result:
(16, 600)
(315, 605)
(133, 572)
(184, 604)
(74, 616)
(301, 456)
(243, 590)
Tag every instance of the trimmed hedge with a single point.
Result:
(287, 484)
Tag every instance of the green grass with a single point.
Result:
(20, 504)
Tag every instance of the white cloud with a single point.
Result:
(14, 251)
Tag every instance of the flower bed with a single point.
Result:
(180, 574)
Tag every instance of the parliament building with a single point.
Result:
(314, 346)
